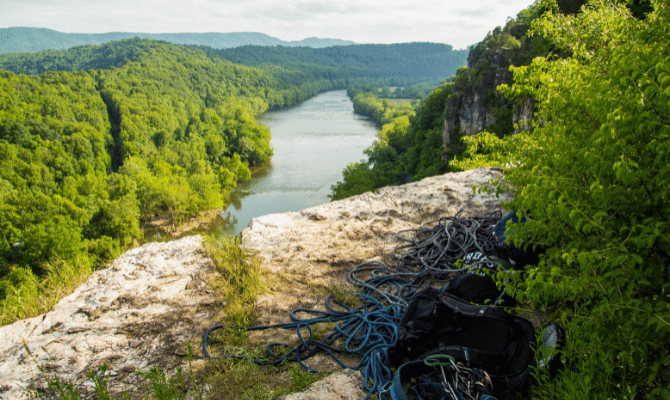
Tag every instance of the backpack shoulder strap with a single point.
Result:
(466, 309)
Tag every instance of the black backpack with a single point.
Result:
(480, 289)
(478, 337)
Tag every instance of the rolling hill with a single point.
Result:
(20, 39)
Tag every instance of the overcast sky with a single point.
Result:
(459, 23)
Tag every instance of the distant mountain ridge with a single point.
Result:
(31, 40)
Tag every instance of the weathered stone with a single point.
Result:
(135, 314)
(474, 113)
(471, 108)
(524, 112)
(345, 385)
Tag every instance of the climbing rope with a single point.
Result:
(438, 248)
(428, 256)
(367, 331)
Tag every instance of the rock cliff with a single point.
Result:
(476, 104)
(139, 312)
(470, 110)
(145, 307)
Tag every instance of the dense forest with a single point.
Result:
(126, 131)
(21, 40)
(400, 64)
(591, 173)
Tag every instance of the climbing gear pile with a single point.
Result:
(434, 256)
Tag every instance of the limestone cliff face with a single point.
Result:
(475, 110)
(477, 105)
(524, 113)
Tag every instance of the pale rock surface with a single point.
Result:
(143, 309)
(345, 385)
(137, 313)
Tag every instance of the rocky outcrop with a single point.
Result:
(477, 105)
(473, 108)
(139, 312)
(144, 308)
(345, 385)
(524, 112)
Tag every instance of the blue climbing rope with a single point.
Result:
(367, 331)
(428, 256)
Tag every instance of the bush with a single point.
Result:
(593, 175)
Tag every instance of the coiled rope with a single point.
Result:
(429, 255)
(367, 331)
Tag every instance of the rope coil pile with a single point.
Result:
(428, 256)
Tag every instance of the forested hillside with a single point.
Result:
(20, 40)
(590, 172)
(86, 156)
(465, 104)
(469, 101)
(120, 133)
(395, 64)
(403, 62)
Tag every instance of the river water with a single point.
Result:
(312, 142)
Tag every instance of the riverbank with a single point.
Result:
(312, 143)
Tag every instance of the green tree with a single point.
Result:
(594, 177)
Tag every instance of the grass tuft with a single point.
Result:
(239, 280)
(24, 295)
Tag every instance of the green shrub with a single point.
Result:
(594, 177)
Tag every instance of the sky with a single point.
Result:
(458, 23)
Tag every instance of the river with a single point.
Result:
(312, 142)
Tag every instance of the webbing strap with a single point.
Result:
(466, 309)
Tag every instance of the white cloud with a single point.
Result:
(367, 21)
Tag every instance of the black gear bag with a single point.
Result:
(477, 337)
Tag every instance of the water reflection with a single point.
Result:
(312, 144)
